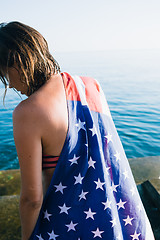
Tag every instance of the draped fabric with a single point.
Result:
(92, 194)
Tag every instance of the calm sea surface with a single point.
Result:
(131, 83)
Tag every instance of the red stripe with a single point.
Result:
(92, 92)
(49, 165)
(70, 87)
(50, 159)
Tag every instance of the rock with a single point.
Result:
(146, 168)
(10, 227)
(9, 218)
(9, 182)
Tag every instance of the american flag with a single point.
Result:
(92, 194)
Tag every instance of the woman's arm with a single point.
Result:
(29, 149)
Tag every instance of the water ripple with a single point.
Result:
(131, 83)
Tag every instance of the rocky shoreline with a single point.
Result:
(9, 204)
(147, 168)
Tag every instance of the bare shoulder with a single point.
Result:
(23, 112)
(47, 95)
(21, 109)
(43, 110)
(26, 118)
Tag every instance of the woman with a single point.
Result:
(65, 123)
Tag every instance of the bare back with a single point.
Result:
(54, 122)
(48, 108)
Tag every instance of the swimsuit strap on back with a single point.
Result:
(49, 161)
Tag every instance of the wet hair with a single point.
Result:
(26, 48)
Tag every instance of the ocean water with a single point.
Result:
(131, 82)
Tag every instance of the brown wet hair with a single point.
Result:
(23, 46)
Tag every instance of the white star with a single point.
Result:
(133, 190)
(90, 214)
(93, 130)
(47, 215)
(71, 226)
(126, 174)
(52, 235)
(117, 155)
(91, 163)
(109, 138)
(113, 222)
(80, 125)
(78, 179)
(99, 184)
(74, 160)
(107, 204)
(128, 220)
(135, 236)
(64, 209)
(113, 187)
(59, 187)
(83, 195)
(39, 237)
(97, 233)
(121, 204)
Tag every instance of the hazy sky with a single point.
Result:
(77, 25)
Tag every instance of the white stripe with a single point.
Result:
(149, 233)
(105, 107)
(81, 89)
